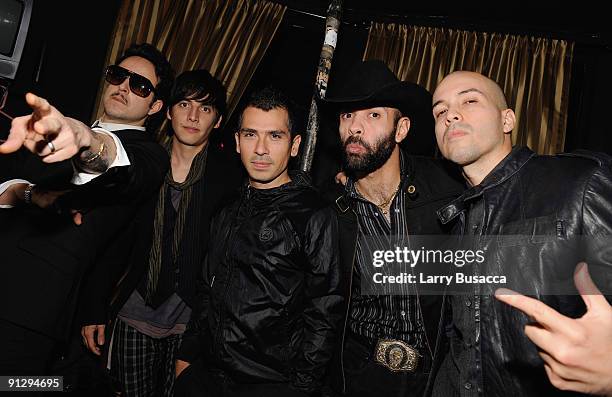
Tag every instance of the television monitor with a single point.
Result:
(14, 23)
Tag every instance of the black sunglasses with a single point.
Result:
(139, 85)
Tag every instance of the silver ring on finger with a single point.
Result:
(51, 146)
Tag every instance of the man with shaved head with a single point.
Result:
(475, 147)
(546, 214)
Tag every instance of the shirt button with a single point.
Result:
(468, 303)
(403, 313)
(467, 385)
(176, 270)
(397, 210)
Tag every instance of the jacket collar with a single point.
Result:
(112, 127)
(125, 132)
(508, 167)
(299, 180)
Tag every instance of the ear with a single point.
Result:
(509, 120)
(155, 107)
(237, 136)
(218, 122)
(168, 115)
(401, 129)
(295, 145)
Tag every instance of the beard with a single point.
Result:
(374, 157)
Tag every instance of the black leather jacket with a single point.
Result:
(272, 305)
(435, 183)
(546, 213)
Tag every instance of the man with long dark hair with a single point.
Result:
(155, 297)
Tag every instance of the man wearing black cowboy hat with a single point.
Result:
(389, 339)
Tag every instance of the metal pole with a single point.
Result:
(332, 25)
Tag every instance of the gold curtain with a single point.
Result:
(533, 72)
(227, 37)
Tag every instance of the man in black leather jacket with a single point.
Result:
(547, 213)
(272, 305)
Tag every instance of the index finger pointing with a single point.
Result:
(540, 312)
(39, 104)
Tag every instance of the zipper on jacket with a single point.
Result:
(217, 339)
(230, 271)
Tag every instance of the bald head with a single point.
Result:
(473, 122)
(488, 87)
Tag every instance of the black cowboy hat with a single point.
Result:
(371, 83)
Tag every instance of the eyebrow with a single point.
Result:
(202, 101)
(361, 108)
(471, 90)
(245, 130)
(436, 103)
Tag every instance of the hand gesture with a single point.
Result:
(46, 132)
(577, 353)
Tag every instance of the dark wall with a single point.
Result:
(63, 57)
(588, 124)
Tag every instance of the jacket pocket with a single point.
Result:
(531, 231)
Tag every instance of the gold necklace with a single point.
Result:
(385, 203)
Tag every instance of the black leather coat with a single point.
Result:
(546, 213)
(272, 305)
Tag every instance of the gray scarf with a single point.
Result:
(155, 256)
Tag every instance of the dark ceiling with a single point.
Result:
(578, 20)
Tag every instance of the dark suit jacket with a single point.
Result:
(24, 165)
(44, 255)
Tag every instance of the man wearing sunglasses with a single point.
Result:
(117, 168)
(130, 104)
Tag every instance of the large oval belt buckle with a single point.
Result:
(397, 355)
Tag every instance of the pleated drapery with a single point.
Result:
(533, 72)
(227, 37)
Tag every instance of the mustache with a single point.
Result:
(458, 126)
(117, 93)
(356, 139)
(265, 159)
